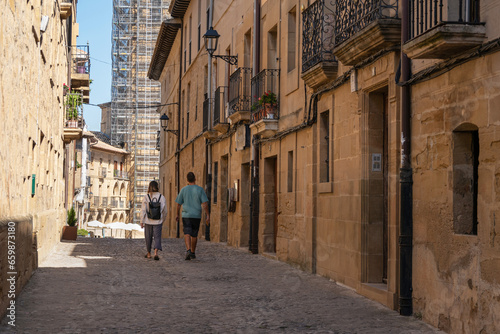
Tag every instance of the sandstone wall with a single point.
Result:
(456, 275)
(34, 67)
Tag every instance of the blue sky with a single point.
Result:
(95, 20)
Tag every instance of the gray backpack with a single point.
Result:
(154, 208)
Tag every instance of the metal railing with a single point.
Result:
(97, 201)
(104, 201)
(317, 34)
(220, 105)
(80, 59)
(120, 174)
(240, 91)
(425, 15)
(114, 202)
(354, 15)
(265, 83)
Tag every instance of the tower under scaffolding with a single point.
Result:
(134, 120)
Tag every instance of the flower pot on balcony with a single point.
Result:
(269, 110)
(80, 69)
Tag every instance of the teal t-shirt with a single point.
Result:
(191, 197)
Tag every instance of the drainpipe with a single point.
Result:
(177, 153)
(406, 182)
(254, 153)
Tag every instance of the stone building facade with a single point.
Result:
(374, 169)
(36, 147)
(108, 193)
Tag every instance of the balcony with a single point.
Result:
(240, 95)
(120, 174)
(365, 27)
(319, 65)
(73, 121)
(265, 110)
(440, 29)
(208, 133)
(220, 111)
(66, 8)
(80, 70)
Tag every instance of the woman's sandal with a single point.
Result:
(156, 257)
(147, 257)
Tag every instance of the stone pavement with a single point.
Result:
(107, 286)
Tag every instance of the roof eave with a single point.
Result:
(164, 42)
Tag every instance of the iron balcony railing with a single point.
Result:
(80, 59)
(264, 85)
(318, 38)
(240, 94)
(355, 15)
(425, 15)
(119, 174)
(220, 105)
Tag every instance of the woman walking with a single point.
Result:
(153, 213)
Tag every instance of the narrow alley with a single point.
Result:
(107, 286)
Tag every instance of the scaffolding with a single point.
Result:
(134, 120)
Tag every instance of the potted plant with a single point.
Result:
(70, 230)
(66, 89)
(269, 102)
(74, 101)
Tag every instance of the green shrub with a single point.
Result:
(71, 217)
(82, 232)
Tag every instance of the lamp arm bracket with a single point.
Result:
(233, 60)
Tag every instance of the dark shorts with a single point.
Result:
(191, 226)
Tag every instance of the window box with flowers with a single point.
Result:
(266, 106)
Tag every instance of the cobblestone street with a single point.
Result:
(107, 286)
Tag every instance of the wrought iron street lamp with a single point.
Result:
(164, 124)
(211, 40)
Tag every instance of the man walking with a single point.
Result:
(193, 199)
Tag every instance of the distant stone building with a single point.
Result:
(106, 118)
(107, 195)
(40, 119)
(324, 147)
